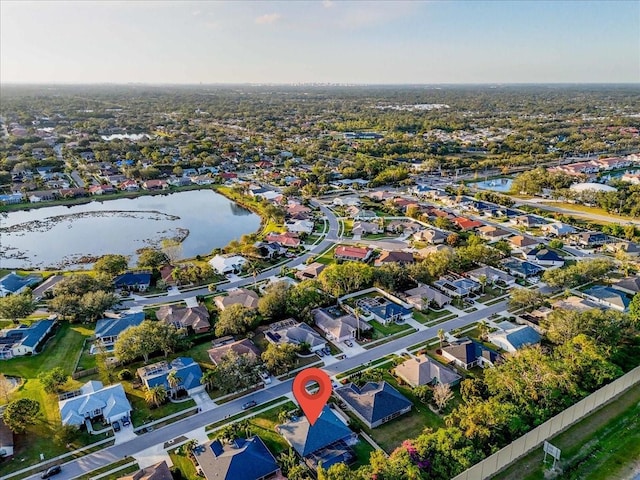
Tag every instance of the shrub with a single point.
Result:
(124, 375)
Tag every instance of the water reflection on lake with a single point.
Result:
(58, 236)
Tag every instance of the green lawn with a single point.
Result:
(142, 413)
(184, 464)
(603, 446)
(362, 450)
(390, 329)
(430, 316)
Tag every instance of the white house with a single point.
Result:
(225, 264)
(300, 226)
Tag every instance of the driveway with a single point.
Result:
(203, 400)
(125, 434)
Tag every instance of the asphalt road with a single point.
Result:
(114, 453)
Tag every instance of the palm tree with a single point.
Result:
(441, 336)
(208, 379)
(283, 416)
(156, 395)
(482, 279)
(483, 328)
(173, 380)
(287, 460)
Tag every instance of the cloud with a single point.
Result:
(375, 14)
(196, 13)
(268, 18)
(327, 3)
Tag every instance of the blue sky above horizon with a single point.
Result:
(328, 41)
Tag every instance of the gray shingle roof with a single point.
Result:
(374, 401)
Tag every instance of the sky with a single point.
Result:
(330, 41)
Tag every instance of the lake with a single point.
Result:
(58, 237)
(497, 185)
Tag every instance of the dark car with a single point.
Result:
(116, 426)
(250, 404)
(126, 421)
(50, 472)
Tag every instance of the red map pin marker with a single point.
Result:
(312, 403)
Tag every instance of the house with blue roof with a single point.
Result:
(522, 269)
(108, 329)
(14, 284)
(544, 256)
(94, 401)
(24, 340)
(186, 370)
(609, 297)
(246, 459)
(11, 198)
(374, 403)
(130, 281)
(514, 339)
(467, 353)
(328, 440)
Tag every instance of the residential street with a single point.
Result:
(117, 452)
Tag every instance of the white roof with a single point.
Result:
(597, 187)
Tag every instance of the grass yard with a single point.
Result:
(603, 446)
(184, 464)
(326, 258)
(381, 331)
(142, 413)
(431, 315)
(362, 450)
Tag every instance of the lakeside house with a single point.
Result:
(227, 264)
(242, 296)
(108, 330)
(194, 319)
(24, 340)
(14, 284)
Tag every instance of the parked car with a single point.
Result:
(249, 405)
(51, 471)
(348, 343)
(126, 422)
(116, 426)
(327, 351)
(320, 353)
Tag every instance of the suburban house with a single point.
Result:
(296, 333)
(363, 228)
(296, 208)
(347, 252)
(99, 190)
(242, 296)
(248, 459)
(590, 239)
(155, 185)
(630, 285)
(491, 233)
(492, 276)
(346, 201)
(457, 287)
(24, 340)
(327, 440)
(521, 243)
(338, 328)
(374, 403)
(422, 296)
(403, 226)
(188, 374)
(529, 221)
(310, 271)
(108, 329)
(401, 258)
(514, 339)
(430, 235)
(521, 269)
(11, 198)
(558, 229)
(422, 370)
(544, 257)
(426, 251)
(287, 239)
(299, 226)
(138, 282)
(129, 186)
(467, 353)
(269, 250)
(466, 223)
(92, 401)
(14, 284)
(157, 471)
(575, 303)
(383, 310)
(6, 440)
(239, 347)
(630, 248)
(609, 297)
(226, 264)
(194, 319)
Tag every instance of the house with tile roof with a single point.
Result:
(327, 440)
(514, 339)
(14, 284)
(246, 459)
(520, 243)
(347, 252)
(194, 319)
(24, 340)
(242, 296)
(187, 371)
(364, 228)
(239, 347)
(492, 233)
(374, 403)
(338, 328)
(423, 370)
(287, 239)
(467, 353)
(94, 400)
(466, 223)
(108, 330)
(609, 297)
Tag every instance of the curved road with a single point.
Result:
(114, 453)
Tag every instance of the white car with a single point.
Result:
(266, 378)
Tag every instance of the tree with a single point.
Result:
(305, 297)
(273, 304)
(111, 264)
(152, 258)
(5, 388)
(337, 471)
(156, 395)
(93, 304)
(208, 379)
(483, 329)
(424, 393)
(237, 372)
(235, 320)
(280, 359)
(441, 337)
(135, 342)
(17, 306)
(340, 279)
(526, 298)
(442, 394)
(53, 379)
(21, 413)
(607, 328)
(634, 310)
(482, 280)
(173, 380)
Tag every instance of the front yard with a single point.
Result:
(432, 317)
